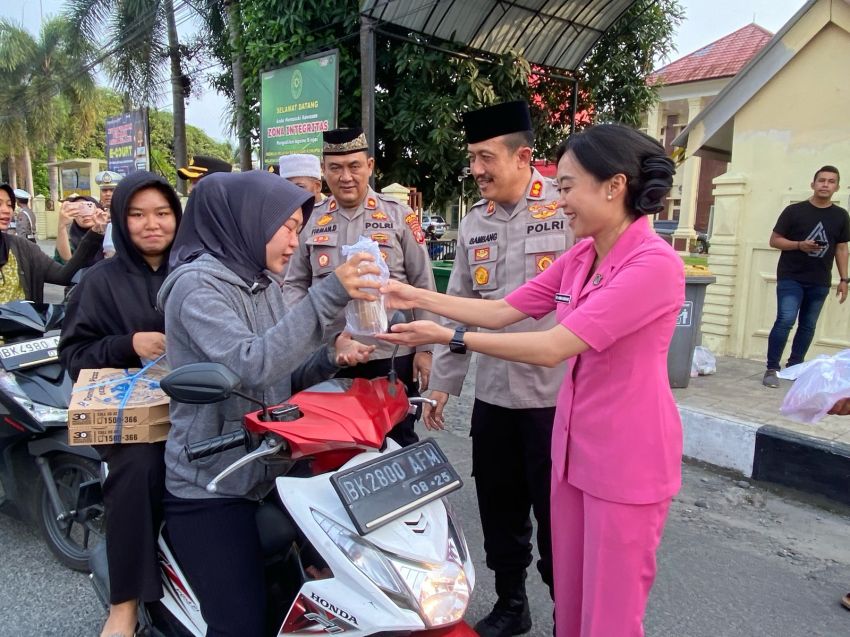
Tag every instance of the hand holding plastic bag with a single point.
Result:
(819, 384)
(367, 318)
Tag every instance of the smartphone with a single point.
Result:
(821, 243)
(87, 209)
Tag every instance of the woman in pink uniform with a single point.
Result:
(617, 440)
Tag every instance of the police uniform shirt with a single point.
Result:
(395, 228)
(498, 251)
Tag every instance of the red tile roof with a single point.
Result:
(722, 58)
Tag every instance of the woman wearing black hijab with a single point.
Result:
(112, 321)
(222, 306)
(24, 268)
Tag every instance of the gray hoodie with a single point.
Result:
(211, 314)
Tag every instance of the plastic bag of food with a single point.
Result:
(703, 363)
(818, 385)
(367, 318)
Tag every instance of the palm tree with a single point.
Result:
(49, 87)
(143, 34)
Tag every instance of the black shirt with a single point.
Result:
(802, 221)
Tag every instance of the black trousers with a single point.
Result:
(132, 497)
(403, 433)
(512, 467)
(217, 545)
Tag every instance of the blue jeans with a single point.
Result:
(792, 299)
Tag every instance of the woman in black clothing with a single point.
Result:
(24, 268)
(112, 321)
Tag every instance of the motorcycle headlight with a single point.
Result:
(42, 413)
(366, 557)
(441, 590)
(438, 592)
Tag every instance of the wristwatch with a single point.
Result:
(456, 345)
(844, 279)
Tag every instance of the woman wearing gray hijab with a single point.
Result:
(222, 306)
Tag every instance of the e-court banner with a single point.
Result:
(127, 142)
(298, 102)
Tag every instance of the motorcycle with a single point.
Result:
(372, 515)
(40, 473)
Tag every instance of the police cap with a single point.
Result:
(493, 121)
(107, 179)
(201, 165)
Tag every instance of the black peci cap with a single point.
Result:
(343, 141)
(493, 121)
(201, 165)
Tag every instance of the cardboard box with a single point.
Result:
(97, 398)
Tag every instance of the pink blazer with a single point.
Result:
(617, 434)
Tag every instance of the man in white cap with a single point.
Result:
(24, 217)
(303, 171)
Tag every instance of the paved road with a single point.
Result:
(736, 561)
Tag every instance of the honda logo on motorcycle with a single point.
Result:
(334, 609)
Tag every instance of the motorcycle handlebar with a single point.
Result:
(216, 444)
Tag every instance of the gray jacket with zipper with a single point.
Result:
(213, 315)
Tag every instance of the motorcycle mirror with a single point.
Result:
(200, 383)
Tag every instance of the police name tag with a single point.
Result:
(29, 353)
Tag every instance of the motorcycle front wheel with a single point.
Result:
(73, 534)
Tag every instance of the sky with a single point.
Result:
(705, 21)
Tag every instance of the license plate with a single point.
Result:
(28, 353)
(377, 492)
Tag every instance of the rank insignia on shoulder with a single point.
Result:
(482, 254)
(322, 238)
(380, 216)
(544, 261)
(371, 203)
(482, 275)
(324, 220)
(331, 204)
(491, 207)
(324, 260)
(536, 189)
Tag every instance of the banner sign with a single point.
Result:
(298, 102)
(127, 142)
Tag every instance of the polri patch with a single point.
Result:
(324, 260)
(482, 275)
(544, 261)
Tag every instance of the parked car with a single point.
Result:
(666, 228)
(437, 221)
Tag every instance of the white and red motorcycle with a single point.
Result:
(373, 513)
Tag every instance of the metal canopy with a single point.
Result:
(553, 33)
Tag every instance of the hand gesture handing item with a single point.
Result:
(351, 274)
(418, 333)
(350, 352)
(400, 296)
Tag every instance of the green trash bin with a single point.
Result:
(686, 335)
(442, 271)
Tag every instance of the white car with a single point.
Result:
(437, 221)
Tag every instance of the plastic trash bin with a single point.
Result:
(442, 271)
(686, 333)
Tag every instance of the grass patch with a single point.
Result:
(695, 261)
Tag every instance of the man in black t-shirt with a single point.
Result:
(811, 234)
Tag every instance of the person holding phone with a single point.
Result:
(24, 268)
(811, 235)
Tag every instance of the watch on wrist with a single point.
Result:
(845, 279)
(456, 345)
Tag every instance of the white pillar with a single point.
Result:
(690, 170)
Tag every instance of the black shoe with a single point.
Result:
(503, 622)
(770, 379)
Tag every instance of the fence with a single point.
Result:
(442, 250)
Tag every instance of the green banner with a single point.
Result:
(298, 102)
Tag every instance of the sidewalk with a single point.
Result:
(731, 420)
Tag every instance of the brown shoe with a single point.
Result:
(845, 601)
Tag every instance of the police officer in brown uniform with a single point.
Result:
(355, 210)
(515, 232)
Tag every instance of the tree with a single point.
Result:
(50, 89)
(143, 35)
(421, 92)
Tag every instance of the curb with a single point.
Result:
(768, 453)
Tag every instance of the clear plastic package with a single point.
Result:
(367, 318)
